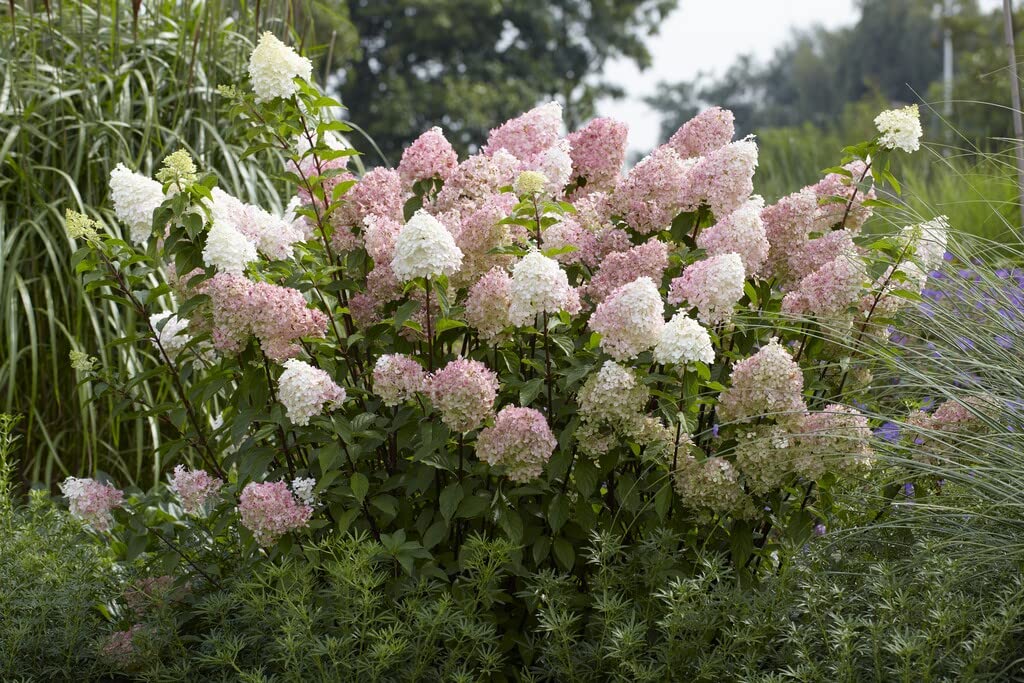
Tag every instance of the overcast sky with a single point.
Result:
(707, 35)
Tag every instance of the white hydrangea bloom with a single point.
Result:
(303, 490)
(425, 248)
(539, 285)
(556, 165)
(172, 335)
(630, 320)
(135, 198)
(227, 248)
(272, 235)
(713, 285)
(684, 340)
(613, 394)
(930, 240)
(304, 391)
(900, 129)
(273, 66)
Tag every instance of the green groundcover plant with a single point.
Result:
(522, 351)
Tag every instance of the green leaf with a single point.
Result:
(435, 534)
(530, 390)
(586, 477)
(541, 548)
(450, 499)
(360, 486)
(558, 512)
(565, 554)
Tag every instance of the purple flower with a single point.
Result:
(964, 344)
(714, 429)
(908, 490)
(890, 431)
(1004, 340)
(947, 256)
(820, 529)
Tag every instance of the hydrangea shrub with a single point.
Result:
(527, 344)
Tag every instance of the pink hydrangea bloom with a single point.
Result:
(568, 232)
(630, 319)
(429, 156)
(382, 285)
(475, 179)
(529, 134)
(479, 231)
(397, 378)
(598, 152)
(379, 237)
(787, 225)
(650, 196)
(723, 180)
(463, 392)
(768, 384)
(649, 259)
(488, 304)
(830, 290)
(120, 646)
(741, 232)
(277, 316)
(378, 193)
(363, 309)
(836, 186)
(269, 510)
(713, 285)
(707, 131)
(520, 441)
(92, 501)
(194, 488)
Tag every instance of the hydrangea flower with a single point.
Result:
(613, 395)
(135, 198)
(529, 183)
(194, 488)
(429, 156)
(92, 501)
(713, 285)
(539, 285)
(768, 384)
(900, 129)
(426, 249)
(723, 180)
(171, 332)
(741, 232)
(649, 259)
(520, 441)
(683, 340)
(273, 236)
(227, 249)
(463, 392)
(529, 134)
(273, 68)
(630, 319)
(397, 378)
(711, 485)
(707, 131)
(303, 487)
(269, 510)
(488, 303)
(304, 391)
(649, 197)
(277, 316)
(598, 151)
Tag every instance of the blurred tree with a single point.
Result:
(466, 64)
(893, 52)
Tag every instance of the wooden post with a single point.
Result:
(1018, 127)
